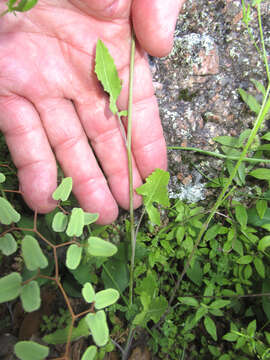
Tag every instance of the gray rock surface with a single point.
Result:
(197, 84)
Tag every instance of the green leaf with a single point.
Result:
(90, 353)
(106, 298)
(261, 173)
(189, 301)
(74, 255)
(63, 190)
(32, 254)
(157, 308)
(148, 285)
(8, 214)
(244, 260)
(266, 299)
(60, 221)
(266, 136)
(260, 87)
(250, 100)
(202, 311)
(8, 244)
(195, 273)
(210, 327)
(255, 220)
(241, 215)
(76, 222)
(155, 191)
(230, 336)
(107, 74)
(88, 293)
(264, 243)
(30, 296)
(10, 286)
(259, 266)
(251, 329)
(90, 218)
(99, 247)
(97, 324)
(30, 350)
(24, 5)
(2, 178)
(60, 336)
(227, 141)
(212, 232)
(261, 207)
(218, 304)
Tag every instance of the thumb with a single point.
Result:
(154, 23)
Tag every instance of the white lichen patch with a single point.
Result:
(191, 193)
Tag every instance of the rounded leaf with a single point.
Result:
(32, 254)
(10, 287)
(63, 190)
(2, 178)
(106, 298)
(74, 255)
(88, 292)
(90, 353)
(30, 296)
(30, 350)
(244, 260)
(97, 324)
(76, 222)
(90, 218)
(100, 247)
(8, 244)
(60, 221)
(8, 214)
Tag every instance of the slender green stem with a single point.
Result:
(129, 154)
(262, 41)
(220, 156)
(4, 12)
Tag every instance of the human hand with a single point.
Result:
(52, 106)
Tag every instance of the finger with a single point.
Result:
(77, 160)
(154, 23)
(107, 140)
(30, 151)
(148, 144)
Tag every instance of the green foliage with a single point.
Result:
(10, 286)
(63, 190)
(29, 350)
(8, 214)
(97, 324)
(155, 191)
(107, 74)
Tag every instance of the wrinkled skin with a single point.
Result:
(53, 109)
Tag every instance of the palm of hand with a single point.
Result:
(51, 106)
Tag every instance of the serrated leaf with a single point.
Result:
(88, 293)
(60, 221)
(189, 301)
(210, 327)
(30, 350)
(63, 190)
(107, 74)
(2, 178)
(30, 296)
(260, 87)
(10, 286)
(261, 173)
(8, 244)
(155, 190)
(97, 324)
(8, 214)
(90, 353)
(74, 255)
(76, 223)
(106, 298)
(100, 247)
(157, 308)
(32, 254)
(250, 100)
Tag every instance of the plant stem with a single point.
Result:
(129, 155)
(220, 156)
